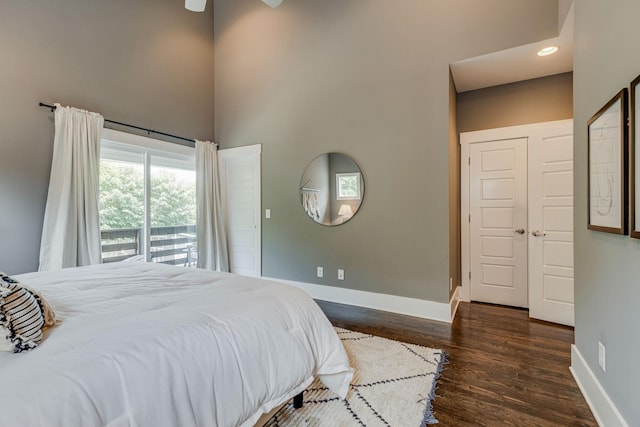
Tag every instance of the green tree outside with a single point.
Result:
(173, 200)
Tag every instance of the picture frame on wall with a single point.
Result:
(634, 158)
(608, 167)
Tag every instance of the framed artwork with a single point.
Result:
(634, 158)
(607, 166)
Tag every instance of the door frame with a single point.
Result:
(247, 151)
(466, 139)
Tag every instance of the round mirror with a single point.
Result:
(331, 189)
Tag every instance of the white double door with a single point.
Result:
(521, 221)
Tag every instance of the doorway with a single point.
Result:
(517, 218)
(240, 188)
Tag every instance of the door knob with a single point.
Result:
(520, 230)
(537, 233)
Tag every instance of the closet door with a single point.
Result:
(493, 258)
(498, 222)
(551, 225)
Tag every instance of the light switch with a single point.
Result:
(267, 213)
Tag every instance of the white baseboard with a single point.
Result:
(443, 312)
(604, 411)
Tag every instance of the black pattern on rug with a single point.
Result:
(393, 385)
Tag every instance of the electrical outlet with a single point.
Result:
(602, 357)
(320, 272)
(340, 274)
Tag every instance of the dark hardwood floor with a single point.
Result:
(504, 369)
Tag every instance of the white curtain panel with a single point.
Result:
(213, 253)
(71, 229)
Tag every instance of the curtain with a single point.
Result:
(212, 238)
(71, 228)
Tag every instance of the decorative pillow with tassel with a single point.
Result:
(23, 314)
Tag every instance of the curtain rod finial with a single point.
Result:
(51, 107)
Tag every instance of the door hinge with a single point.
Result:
(469, 275)
(469, 161)
(469, 217)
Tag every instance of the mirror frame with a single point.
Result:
(320, 184)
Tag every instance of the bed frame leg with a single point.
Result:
(297, 400)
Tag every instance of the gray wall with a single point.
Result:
(148, 63)
(607, 289)
(369, 79)
(455, 261)
(531, 101)
(563, 10)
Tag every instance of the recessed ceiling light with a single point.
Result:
(548, 51)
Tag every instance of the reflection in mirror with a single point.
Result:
(331, 189)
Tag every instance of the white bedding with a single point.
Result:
(143, 344)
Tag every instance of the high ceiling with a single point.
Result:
(518, 63)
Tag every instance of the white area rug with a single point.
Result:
(393, 385)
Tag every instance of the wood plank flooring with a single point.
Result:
(504, 369)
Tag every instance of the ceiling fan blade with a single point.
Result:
(196, 5)
(272, 3)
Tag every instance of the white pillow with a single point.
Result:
(21, 316)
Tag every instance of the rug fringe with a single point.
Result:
(429, 417)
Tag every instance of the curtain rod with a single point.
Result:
(149, 131)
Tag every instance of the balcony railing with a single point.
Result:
(174, 245)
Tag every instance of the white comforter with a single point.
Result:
(144, 344)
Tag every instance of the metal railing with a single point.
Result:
(174, 245)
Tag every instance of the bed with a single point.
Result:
(143, 344)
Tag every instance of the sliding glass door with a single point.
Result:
(147, 200)
(173, 212)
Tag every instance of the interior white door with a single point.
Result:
(241, 193)
(551, 225)
(498, 221)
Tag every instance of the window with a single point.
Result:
(147, 200)
(348, 186)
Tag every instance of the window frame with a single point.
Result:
(339, 195)
(117, 144)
